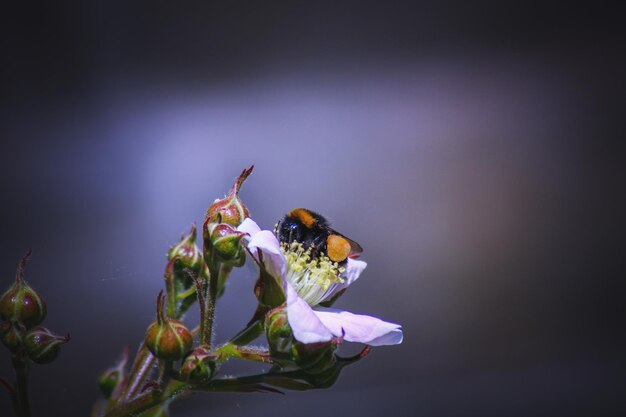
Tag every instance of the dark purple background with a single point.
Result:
(467, 147)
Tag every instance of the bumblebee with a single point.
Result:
(313, 231)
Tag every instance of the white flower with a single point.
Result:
(308, 282)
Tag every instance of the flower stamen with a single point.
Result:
(314, 278)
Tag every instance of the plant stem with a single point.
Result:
(210, 297)
(248, 353)
(136, 405)
(166, 374)
(21, 370)
(139, 372)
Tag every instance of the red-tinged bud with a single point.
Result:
(277, 330)
(112, 379)
(167, 338)
(187, 254)
(12, 335)
(42, 346)
(314, 357)
(198, 366)
(229, 209)
(184, 260)
(225, 242)
(20, 302)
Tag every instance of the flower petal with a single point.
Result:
(354, 267)
(360, 328)
(249, 226)
(273, 257)
(305, 324)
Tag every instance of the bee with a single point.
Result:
(313, 231)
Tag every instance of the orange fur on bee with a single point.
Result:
(304, 216)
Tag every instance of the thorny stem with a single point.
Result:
(201, 290)
(210, 298)
(21, 370)
(136, 405)
(178, 389)
(249, 353)
(144, 361)
(171, 287)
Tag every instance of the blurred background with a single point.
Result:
(466, 146)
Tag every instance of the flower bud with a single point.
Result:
(20, 302)
(198, 366)
(229, 209)
(225, 242)
(112, 378)
(188, 256)
(314, 357)
(42, 346)
(277, 330)
(12, 335)
(167, 338)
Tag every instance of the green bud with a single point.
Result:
(226, 244)
(277, 330)
(229, 209)
(187, 254)
(268, 290)
(167, 338)
(198, 366)
(20, 302)
(12, 335)
(42, 346)
(112, 378)
(314, 357)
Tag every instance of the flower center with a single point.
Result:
(315, 279)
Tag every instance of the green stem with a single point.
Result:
(21, 370)
(137, 405)
(247, 353)
(178, 389)
(210, 297)
(166, 373)
(142, 366)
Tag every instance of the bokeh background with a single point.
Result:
(466, 146)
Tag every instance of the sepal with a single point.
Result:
(12, 335)
(42, 346)
(20, 302)
(230, 209)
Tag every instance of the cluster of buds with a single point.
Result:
(223, 248)
(187, 276)
(199, 275)
(23, 310)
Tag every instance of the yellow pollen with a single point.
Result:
(312, 278)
